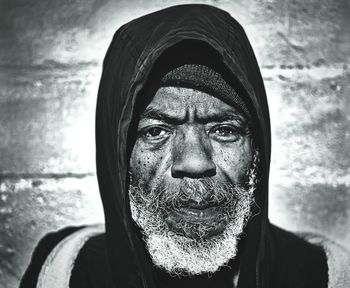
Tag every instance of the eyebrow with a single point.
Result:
(222, 116)
(156, 114)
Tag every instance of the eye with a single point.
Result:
(155, 133)
(225, 133)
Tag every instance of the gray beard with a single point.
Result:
(186, 256)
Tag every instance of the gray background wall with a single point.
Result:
(50, 63)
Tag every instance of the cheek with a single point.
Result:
(145, 164)
(141, 162)
(233, 159)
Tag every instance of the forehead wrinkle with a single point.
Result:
(154, 113)
(177, 104)
(165, 102)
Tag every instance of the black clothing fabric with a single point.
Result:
(141, 51)
(308, 260)
(43, 249)
(92, 270)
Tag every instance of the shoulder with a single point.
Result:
(310, 251)
(338, 259)
(298, 262)
(55, 255)
(91, 267)
(295, 246)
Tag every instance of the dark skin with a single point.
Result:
(188, 133)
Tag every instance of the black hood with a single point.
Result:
(135, 49)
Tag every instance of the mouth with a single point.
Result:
(198, 215)
(200, 221)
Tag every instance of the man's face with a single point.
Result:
(190, 168)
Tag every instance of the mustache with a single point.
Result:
(195, 193)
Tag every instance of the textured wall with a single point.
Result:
(50, 63)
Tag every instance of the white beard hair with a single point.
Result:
(184, 256)
(179, 255)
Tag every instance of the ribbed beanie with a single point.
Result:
(205, 79)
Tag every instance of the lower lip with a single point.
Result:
(207, 216)
(211, 217)
(198, 215)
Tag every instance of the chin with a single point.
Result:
(181, 255)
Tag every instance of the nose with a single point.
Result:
(192, 157)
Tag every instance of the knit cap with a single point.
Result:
(205, 79)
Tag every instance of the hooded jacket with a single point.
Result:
(269, 257)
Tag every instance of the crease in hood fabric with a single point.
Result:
(127, 66)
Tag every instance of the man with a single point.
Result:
(183, 153)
